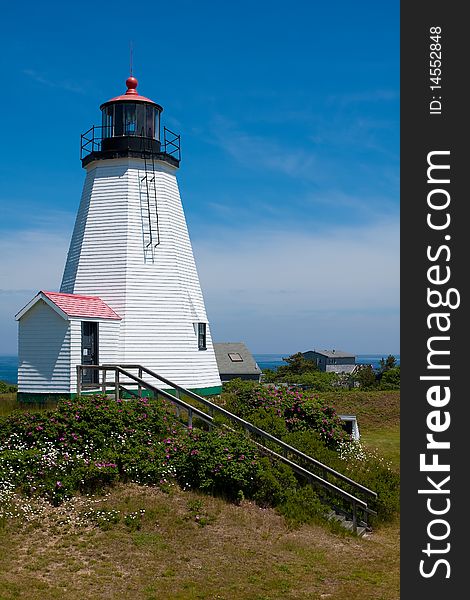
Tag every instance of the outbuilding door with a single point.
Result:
(90, 351)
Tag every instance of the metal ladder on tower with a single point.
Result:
(149, 204)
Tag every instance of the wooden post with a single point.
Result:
(103, 382)
(190, 418)
(354, 517)
(116, 384)
(79, 380)
(140, 387)
(177, 395)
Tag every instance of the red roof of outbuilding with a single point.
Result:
(75, 305)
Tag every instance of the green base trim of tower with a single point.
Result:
(43, 398)
(208, 391)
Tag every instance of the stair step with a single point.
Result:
(347, 523)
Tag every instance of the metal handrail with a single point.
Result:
(90, 141)
(192, 410)
(256, 430)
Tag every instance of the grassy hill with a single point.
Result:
(243, 552)
(143, 542)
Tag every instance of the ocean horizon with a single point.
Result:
(9, 364)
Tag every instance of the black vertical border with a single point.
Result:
(421, 133)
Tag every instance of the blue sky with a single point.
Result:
(289, 118)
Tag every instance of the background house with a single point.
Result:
(235, 360)
(332, 361)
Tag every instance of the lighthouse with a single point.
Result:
(130, 291)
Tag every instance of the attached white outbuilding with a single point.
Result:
(58, 331)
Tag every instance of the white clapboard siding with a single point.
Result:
(108, 340)
(43, 351)
(157, 294)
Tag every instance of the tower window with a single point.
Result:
(201, 336)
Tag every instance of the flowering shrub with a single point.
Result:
(91, 442)
(309, 424)
(84, 445)
(280, 409)
(218, 461)
(375, 472)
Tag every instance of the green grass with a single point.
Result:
(241, 552)
(386, 441)
(9, 403)
(244, 552)
(374, 409)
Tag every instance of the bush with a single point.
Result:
(7, 388)
(365, 377)
(312, 444)
(374, 472)
(390, 379)
(240, 396)
(91, 442)
(85, 445)
(280, 409)
(274, 483)
(302, 506)
(306, 414)
(219, 462)
(268, 420)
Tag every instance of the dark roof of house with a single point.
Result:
(332, 353)
(234, 358)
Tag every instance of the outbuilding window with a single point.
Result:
(201, 336)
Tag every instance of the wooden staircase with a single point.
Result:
(348, 499)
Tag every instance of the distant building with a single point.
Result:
(235, 360)
(332, 361)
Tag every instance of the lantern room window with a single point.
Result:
(131, 119)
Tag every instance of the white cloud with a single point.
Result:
(262, 152)
(278, 290)
(64, 84)
(30, 260)
(292, 271)
(300, 289)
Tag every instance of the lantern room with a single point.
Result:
(130, 126)
(131, 114)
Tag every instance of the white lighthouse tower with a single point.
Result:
(130, 248)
